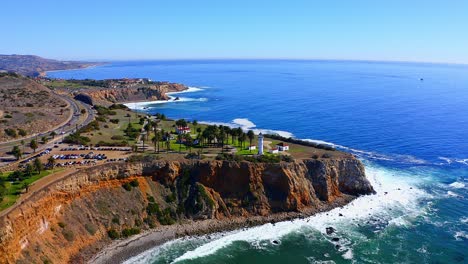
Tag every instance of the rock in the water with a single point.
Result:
(335, 239)
(330, 230)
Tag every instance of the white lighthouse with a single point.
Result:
(260, 144)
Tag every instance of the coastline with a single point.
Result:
(85, 66)
(138, 105)
(122, 250)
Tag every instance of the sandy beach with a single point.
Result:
(122, 250)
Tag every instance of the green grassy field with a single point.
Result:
(14, 190)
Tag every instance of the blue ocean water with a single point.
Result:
(408, 122)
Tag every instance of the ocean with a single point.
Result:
(408, 123)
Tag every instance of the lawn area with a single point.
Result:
(13, 190)
(108, 129)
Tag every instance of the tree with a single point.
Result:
(51, 161)
(3, 190)
(28, 170)
(242, 138)
(17, 153)
(33, 145)
(38, 166)
(53, 134)
(188, 142)
(26, 186)
(181, 123)
(156, 139)
(179, 140)
(199, 130)
(239, 133)
(44, 139)
(22, 132)
(250, 135)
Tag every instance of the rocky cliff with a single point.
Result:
(108, 96)
(72, 219)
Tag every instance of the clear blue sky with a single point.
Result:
(410, 30)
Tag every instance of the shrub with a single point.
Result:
(134, 183)
(127, 186)
(113, 234)
(116, 220)
(68, 235)
(22, 132)
(117, 137)
(8, 116)
(76, 138)
(91, 228)
(61, 224)
(114, 121)
(130, 231)
(118, 106)
(10, 132)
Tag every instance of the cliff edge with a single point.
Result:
(73, 219)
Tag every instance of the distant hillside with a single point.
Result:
(31, 65)
(27, 107)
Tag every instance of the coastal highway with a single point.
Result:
(61, 131)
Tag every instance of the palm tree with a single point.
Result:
(179, 140)
(250, 135)
(238, 133)
(168, 141)
(38, 166)
(17, 153)
(33, 145)
(188, 142)
(51, 161)
(242, 139)
(156, 139)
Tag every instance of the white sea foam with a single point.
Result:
(172, 99)
(348, 254)
(457, 185)
(397, 198)
(453, 194)
(189, 90)
(464, 220)
(460, 235)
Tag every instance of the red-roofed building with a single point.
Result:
(183, 130)
(282, 146)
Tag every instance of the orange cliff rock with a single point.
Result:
(69, 220)
(138, 93)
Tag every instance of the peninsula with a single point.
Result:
(114, 182)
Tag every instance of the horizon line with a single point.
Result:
(249, 58)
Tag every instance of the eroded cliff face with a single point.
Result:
(70, 220)
(110, 96)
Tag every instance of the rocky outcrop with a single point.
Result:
(108, 96)
(70, 220)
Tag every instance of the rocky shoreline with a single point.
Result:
(122, 250)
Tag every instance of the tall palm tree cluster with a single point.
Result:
(211, 136)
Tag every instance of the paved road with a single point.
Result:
(62, 131)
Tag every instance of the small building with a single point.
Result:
(183, 130)
(274, 151)
(282, 146)
(252, 147)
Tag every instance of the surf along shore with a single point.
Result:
(123, 250)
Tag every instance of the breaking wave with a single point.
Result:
(246, 124)
(397, 203)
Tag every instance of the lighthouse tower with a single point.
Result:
(260, 144)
